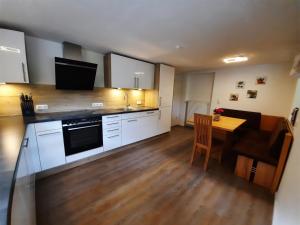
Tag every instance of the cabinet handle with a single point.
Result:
(113, 136)
(159, 101)
(25, 142)
(135, 82)
(138, 82)
(24, 74)
(112, 123)
(129, 121)
(78, 128)
(112, 130)
(159, 117)
(150, 112)
(56, 132)
(110, 117)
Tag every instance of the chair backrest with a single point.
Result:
(203, 130)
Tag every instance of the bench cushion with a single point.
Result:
(253, 118)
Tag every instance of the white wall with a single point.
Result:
(274, 98)
(40, 56)
(287, 199)
(195, 86)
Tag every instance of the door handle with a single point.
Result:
(25, 142)
(77, 128)
(134, 82)
(56, 132)
(24, 73)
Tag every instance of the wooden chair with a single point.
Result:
(203, 139)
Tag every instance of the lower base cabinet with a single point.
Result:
(51, 147)
(164, 120)
(256, 172)
(112, 141)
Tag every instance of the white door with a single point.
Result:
(164, 120)
(166, 85)
(145, 75)
(51, 148)
(13, 61)
(122, 72)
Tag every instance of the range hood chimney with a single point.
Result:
(72, 51)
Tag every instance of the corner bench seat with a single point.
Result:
(262, 145)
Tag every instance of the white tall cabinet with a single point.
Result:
(13, 62)
(165, 78)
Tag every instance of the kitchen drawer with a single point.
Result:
(111, 124)
(111, 141)
(126, 116)
(112, 131)
(110, 118)
(45, 126)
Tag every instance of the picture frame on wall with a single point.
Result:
(234, 97)
(240, 84)
(261, 80)
(252, 94)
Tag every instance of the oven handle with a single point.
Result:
(77, 128)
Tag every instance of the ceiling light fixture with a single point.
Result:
(9, 49)
(235, 59)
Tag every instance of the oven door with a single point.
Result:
(80, 138)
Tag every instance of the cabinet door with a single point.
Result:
(145, 75)
(33, 150)
(122, 72)
(13, 61)
(166, 85)
(51, 148)
(243, 167)
(23, 203)
(264, 174)
(149, 124)
(130, 131)
(164, 120)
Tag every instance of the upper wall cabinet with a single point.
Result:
(13, 61)
(124, 72)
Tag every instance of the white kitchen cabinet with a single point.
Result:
(124, 72)
(164, 120)
(23, 203)
(144, 75)
(166, 85)
(131, 131)
(33, 148)
(112, 132)
(112, 141)
(138, 126)
(13, 62)
(51, 148)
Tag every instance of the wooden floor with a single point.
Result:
(151, 183)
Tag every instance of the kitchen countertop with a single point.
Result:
(12, 130)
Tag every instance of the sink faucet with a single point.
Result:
(126, 99)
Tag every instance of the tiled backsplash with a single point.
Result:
(64, 100)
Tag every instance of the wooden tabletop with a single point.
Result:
(225, 123)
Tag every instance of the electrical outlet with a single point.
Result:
(41, 107)
(97, 104)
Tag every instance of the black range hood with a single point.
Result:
(74, 75)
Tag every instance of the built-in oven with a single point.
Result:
(83, 134)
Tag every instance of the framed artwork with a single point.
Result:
(252, 94)
(261, 80)
(240, 84)
(234, 97)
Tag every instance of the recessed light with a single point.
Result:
(178, 47)
(2, 83)
(9, 49)
(235, 59)
(140, 89)
(119, 88)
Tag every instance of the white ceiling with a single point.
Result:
(268, 31)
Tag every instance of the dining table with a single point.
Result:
(223, 129)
